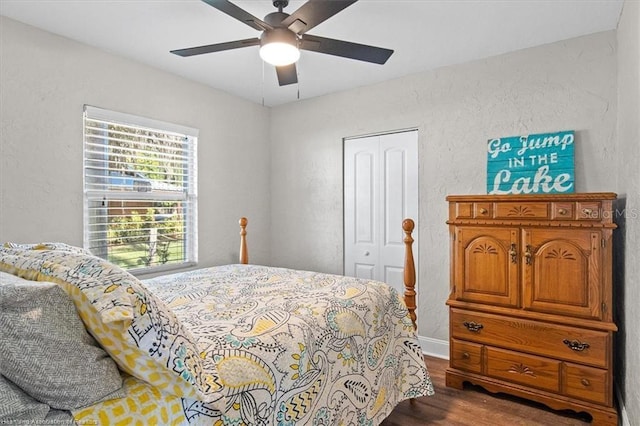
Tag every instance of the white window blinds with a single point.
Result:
(140, 197)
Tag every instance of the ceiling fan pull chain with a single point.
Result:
(298, 88)
(298, 82)
(262, 85)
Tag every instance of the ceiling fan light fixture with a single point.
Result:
(279, 47)
(279, 54)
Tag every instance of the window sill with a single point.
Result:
(161, 270)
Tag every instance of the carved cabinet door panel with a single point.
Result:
(562, 271)
(486, 265)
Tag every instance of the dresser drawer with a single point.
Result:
(466, 356)
(530, 370)
(522, 210)
(480, 210)
(483, 210)
(589, 210)
(536, 337)
(562, 211)
(590, 384)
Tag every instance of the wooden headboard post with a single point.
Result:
(409, 271)
(244, 253)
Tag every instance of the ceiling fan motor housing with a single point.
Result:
(275, 19)
(279, 35)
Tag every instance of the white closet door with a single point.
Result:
(361, 207)
(381, 189)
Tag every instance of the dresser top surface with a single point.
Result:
(535, 197)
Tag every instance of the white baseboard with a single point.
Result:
(434, 347)
(440, 349)
(623, 418)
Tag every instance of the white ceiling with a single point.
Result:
(425, 34)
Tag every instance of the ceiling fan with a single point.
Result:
(283, 35)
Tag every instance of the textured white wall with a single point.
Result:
(560, 86)
(45, 81)
(627, 264)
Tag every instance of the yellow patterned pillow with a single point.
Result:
(136, 328)
(143, 405)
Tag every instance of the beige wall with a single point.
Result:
(45, 81)
(627, 264)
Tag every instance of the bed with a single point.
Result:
(235, 344)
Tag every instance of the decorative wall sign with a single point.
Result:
(534, 164)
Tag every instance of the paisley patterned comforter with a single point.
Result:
(239, 344)
(294, 347)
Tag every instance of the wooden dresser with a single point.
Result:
(531, 298)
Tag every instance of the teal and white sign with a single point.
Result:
(534, 164)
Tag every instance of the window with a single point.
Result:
(140, 198)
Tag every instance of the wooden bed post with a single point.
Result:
(409, 271)
(244, 254)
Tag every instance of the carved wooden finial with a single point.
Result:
(409, 271)
(244, 253)
(407, 226)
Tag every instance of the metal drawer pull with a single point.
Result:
(585, 382)
(587, 212)
(562, 212)
(576, 345)
(513, 253)
(484, 211)
(473, 326)
(466, 355)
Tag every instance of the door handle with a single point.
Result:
(528, 255)
(366, 253)
(513, 253)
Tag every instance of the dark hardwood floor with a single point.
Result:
(475, 407)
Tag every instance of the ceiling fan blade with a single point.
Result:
(210, 48)
(239, 14)
(287, 74)
(313, 13)
(346, 49)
